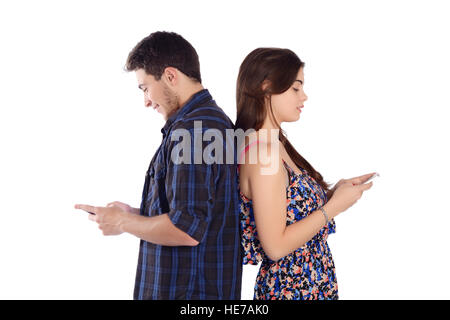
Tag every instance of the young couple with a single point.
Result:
(199, 222)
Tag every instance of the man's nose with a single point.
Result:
(147, 102)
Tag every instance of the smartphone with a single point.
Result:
(373, 177)
(376, 174)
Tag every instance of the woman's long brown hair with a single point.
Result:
(278, 68)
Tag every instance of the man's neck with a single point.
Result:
(187, 94)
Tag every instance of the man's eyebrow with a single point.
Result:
(299, 81)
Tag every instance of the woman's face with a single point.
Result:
(287, 105)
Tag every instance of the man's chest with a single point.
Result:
(154, 195)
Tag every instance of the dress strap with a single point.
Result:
(288, 167)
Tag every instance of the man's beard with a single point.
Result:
(171, 101)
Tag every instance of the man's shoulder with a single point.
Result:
(210, 115)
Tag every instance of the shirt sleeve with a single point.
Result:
(190, 190)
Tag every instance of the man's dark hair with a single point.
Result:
(163, 49)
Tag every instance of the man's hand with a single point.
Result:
(124, 206)
(109, 218)
(118, 217)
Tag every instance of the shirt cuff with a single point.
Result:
(193, 226)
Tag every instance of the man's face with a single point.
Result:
(157, 94)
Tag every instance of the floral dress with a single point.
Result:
(307, 273)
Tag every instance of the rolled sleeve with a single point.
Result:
(192, 225)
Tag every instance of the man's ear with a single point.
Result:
(171, 75)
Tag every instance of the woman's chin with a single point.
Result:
(294, 118)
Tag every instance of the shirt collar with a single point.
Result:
(188, 106)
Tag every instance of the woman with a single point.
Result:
(285, 214)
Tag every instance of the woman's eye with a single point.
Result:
(295, 89)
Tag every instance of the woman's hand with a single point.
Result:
(346, 195)
(353, 181)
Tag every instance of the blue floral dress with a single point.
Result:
(307, 273)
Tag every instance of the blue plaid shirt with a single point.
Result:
(201, 200)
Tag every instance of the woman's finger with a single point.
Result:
(366, 186)
(361, 179)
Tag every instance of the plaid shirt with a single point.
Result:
(200, 199)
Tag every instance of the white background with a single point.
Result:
(74, 130)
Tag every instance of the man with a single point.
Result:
(188, 221)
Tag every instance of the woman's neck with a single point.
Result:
(268, 131)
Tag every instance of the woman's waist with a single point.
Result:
(316, 248)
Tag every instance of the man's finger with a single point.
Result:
(114, 203)
(87, 208)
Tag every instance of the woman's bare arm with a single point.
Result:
(268, 193)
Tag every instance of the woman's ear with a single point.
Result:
(266, 84)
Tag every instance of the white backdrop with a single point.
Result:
(74, 130)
